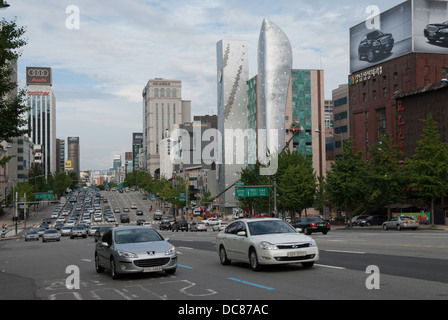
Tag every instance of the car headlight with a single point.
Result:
(127, 254)
(171, 251)
(313, 243)
(267, 246)
(443, 30)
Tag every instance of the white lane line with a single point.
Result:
(342, 251)
(331, 267)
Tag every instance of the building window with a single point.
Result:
(156, 93)
(364, 97)
(381, 121)
(385, 92)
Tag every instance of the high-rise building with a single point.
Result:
(60, 163)
(42, 116)
(233, 74)
(73, 154)
(163, 107)
(266, 106)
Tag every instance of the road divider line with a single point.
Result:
(251, 284)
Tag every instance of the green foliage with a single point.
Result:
(429, 166)
(12, 108)
(345, 181)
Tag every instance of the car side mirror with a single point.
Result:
(104, 244)
(241, 233)
(299, 230)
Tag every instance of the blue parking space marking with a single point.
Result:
(251, 284)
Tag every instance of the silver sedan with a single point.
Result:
(51, 234)
(134, 249)
(265, 242)
(401, 222)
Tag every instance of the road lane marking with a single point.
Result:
(251, 283)
(186, 267)
(342, 251)
(331, 267)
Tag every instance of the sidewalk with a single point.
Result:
(7, 220)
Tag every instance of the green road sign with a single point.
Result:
(42, 196)
(251, 192)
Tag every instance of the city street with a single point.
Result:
(411, 264)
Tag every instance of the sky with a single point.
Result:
(101, 64)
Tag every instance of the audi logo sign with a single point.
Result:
(38, 75)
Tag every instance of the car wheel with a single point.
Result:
(307, 264)
(253, 260)
(306, 231)
(98, 268)
(384, 227)
(223, 256)
(398, 227)
(113, 269)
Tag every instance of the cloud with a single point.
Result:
(100, 70)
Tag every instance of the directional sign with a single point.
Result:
(251, 192)
(42, 196)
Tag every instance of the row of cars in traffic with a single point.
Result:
(170, 223)
(260, 241)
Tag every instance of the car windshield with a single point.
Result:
(51, 231)
(136, 236)
(269, 227)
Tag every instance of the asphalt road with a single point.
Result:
(411, 265)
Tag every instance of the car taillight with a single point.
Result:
(312, 224)
(328, 224)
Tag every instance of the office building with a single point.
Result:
(163, 107)
(73, 155)
(42, 116)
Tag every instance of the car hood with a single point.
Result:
(282, 238)
(439, 25)
(138, 248)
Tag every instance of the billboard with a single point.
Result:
(381, 38)
(413, 26)
(430, 26)
(38, 76)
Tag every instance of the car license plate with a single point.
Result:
(296, 254)
(320, 224)
(152, 269)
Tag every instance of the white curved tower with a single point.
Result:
(274, 70)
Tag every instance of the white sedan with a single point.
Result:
(265, 242)
(220, 226)
(212, 221)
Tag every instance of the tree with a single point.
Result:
(387, 177)
(346, 187)
(296, 182)
(430, 165)
(12, 107)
